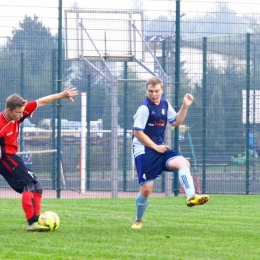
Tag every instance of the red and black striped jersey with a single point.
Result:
(9, 130)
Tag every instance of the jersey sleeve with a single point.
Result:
(30, 107)
(141, 117)
(171, 114)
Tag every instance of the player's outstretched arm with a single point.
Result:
(68, 93)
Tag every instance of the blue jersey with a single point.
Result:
(152, 119)
(27, 157)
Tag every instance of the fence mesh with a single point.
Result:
(109, 53)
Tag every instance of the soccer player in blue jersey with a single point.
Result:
(152, 155)
(27, 157)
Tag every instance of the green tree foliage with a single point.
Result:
(216, 113)
(130, 96)
(78, 74)
(159, 26)
(222, 20)
(35, 40)
(224, 110)
(10, 67)
(234, 83)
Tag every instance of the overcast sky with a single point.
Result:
(13, 11)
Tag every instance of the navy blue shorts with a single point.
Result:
(151, 164)
(15, 172)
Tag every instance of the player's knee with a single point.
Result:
(146, 191)
(40, 191)
(38, 188)
(33, 187)
(186, 163)
(29, 187)
(182, 163)
(178, 163)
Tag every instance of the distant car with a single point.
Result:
(27, 123)
(28, 128)
(73, 128)
(46, 124)
(72, 125)
(69, 128)
(120, 132)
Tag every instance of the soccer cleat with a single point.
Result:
(36, 227)
(197, 200)
(137, 224)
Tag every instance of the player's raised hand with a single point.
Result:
(70, 92)
(188, 99)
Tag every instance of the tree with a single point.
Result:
(78, 74)
(130, 96)
(234, 82)
(222, 20)
(215, 124)
(9, 74)
(34, 40)
(224, 111)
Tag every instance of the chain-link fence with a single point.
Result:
(207, 48)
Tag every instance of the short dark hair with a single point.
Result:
(15, 101)
(153, 81)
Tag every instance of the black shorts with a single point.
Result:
(15, 172)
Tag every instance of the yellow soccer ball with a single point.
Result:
(49, 219)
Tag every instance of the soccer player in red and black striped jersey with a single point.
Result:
(12, 167)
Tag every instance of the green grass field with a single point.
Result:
(227, 227)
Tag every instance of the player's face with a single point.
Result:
(15, 114)
(154, 93)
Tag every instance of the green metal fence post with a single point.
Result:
(125, 147)
(22, 94)
(204, 115)
(177, 86)
(59, 80)
(248, 60)
(53, 106)
(88, 129)
(163, 65)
